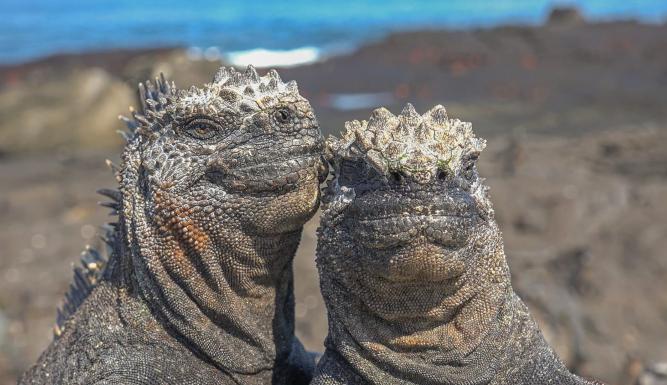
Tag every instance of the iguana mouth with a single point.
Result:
(415, 206)
(407, 217)
(414, 250)
(270, 172)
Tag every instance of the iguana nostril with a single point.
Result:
(283, 115)
(397, 177)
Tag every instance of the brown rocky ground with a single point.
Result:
(575, 115)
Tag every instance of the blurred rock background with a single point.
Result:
(575, 115)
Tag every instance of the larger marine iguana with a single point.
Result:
(412, 266)
(216, 184)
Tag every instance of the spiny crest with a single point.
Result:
(413, 144)
(155, 97)
(230, 90)
(86, 278)
(247, 90)
(93, 264)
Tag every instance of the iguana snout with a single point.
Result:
(414, 235)
(274, 167)
(277, 147)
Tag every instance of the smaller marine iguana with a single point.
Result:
(216, 184)
(412, 266)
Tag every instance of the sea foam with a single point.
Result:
(261, 58)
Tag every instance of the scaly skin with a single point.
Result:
(215, 187)
(412, 266)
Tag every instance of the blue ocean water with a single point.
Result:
(31, 29)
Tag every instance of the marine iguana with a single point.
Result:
(216, 184)
(412, 266)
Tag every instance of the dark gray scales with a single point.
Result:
(215, 185)
(412, 265)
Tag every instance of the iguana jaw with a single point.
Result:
(271, 173)
(415, 244)
(438, 199)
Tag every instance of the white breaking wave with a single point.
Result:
(260, 57)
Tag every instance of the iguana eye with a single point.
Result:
(202, 128)
(283, 115)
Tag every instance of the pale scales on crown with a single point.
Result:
(413, 144)
(230, 90)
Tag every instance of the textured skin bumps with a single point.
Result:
(216, 184)
(412, 266)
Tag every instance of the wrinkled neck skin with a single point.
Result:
(217, 286)
(475, 331)
(440, 346)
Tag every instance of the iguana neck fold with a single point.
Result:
(447, 342)
(225, 290)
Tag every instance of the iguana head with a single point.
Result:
(406, 212)
(243, 147)
(411, 262)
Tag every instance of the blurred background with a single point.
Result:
(572, 98)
